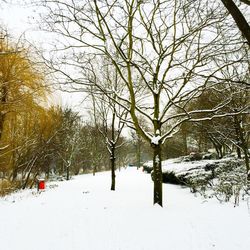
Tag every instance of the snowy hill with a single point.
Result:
(83, 214)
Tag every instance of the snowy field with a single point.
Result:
(82, 214)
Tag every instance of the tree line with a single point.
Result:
(36, 138)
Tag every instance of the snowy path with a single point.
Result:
(83, 214)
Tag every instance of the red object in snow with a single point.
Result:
(41, 184)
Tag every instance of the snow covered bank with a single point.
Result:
(177, 165)
(82, 214)
(224, 179)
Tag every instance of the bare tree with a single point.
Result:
(109, 116)
(68, 139)
(163, 51)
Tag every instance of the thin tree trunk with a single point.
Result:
(247, 163)
(157, 174)
(238, 136)
(217, 145)
(3, 101)
(220, 147)
(67, 169)
(139, 154)
(238, 152)
(112, 160)
(29, 173)
(242, 144)
(34, 180)
(2, 118)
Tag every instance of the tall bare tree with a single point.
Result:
(163, 51)
(109, 116)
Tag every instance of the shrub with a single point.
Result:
(7, 186)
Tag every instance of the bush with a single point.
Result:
(231, 182)
(147, 168)
(7, 186)
(225, 180)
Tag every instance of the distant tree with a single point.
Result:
(68, 139)
(109, 116)
(138, 143)
(225, 132)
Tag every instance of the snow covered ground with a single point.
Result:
(83, 214)
(176, 165)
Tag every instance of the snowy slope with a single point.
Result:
(83, 214)
(176, 165)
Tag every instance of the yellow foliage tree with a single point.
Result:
(22, 117)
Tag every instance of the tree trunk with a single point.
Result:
(29, 173)
(3, 101)
(247, 163)
(67, 169)
(238, 152)
(242, 143)
(2, 117)
(157, 174)
(112, 161)
(139, 154)
(220, 149)
(94, 169)
(217, 145)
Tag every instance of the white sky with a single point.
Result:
(20, 20)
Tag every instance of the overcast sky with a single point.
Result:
(21, 20)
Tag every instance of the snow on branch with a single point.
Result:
(155, 140)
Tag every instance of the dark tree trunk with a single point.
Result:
(138, 154)
(157, 174)
(242, 143)
(3, 101)
(247, 163)
(238, 152)
(94, 170)
(238, 17)
(218, 151)
(217, 145)
(2, 118)
(67, 169)
(112, 161)
(237, 131)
